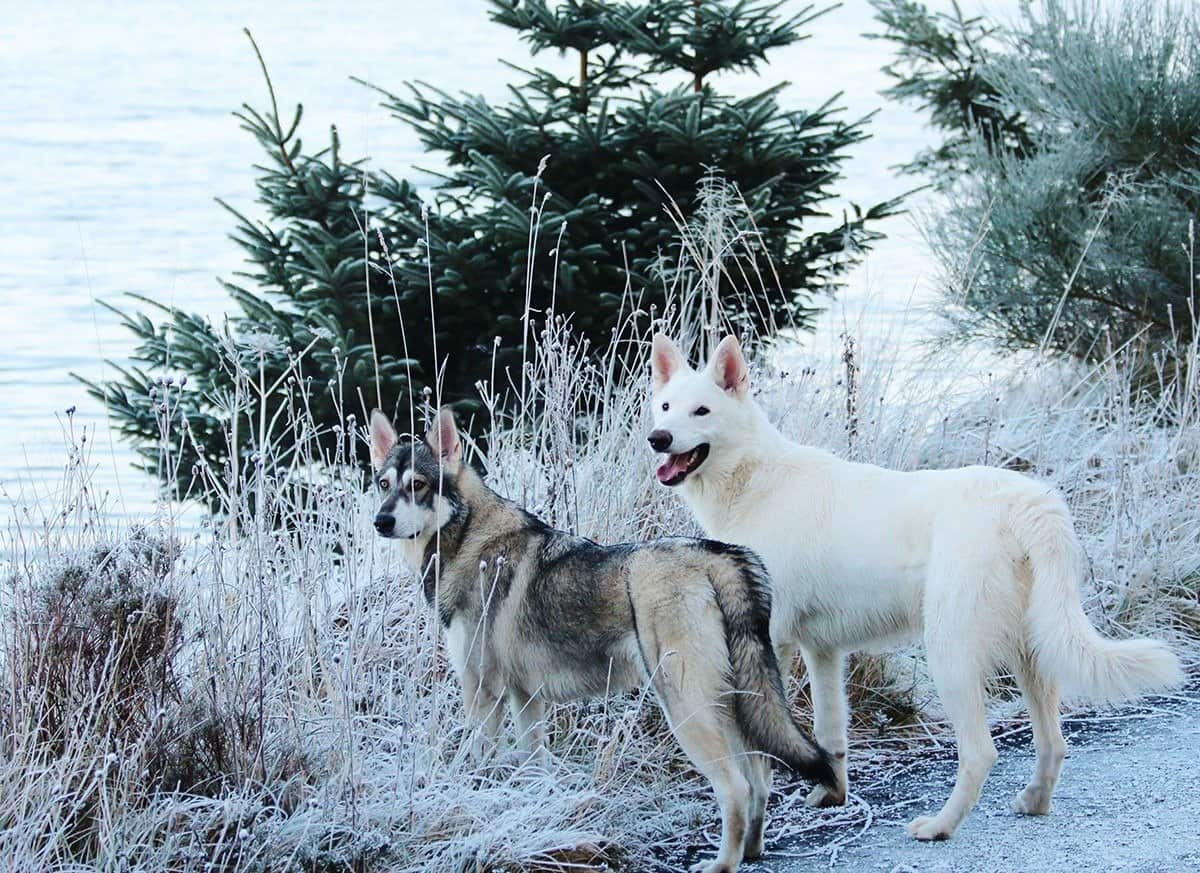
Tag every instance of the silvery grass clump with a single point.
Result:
(285, 703)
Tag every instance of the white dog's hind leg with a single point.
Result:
(1041, 696)
(827, 685)
(960, 684)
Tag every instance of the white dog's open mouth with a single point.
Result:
(676, 468)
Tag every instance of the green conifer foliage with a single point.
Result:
(1070, 162)
(370, 293)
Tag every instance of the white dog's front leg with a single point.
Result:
(826, 684)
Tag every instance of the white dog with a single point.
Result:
(983, 563)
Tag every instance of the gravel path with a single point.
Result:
(1128, 800)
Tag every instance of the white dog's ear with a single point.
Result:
(665, 361)
(442, 437)
(383, 437)
(728, 367)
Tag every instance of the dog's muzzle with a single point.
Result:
(385, 524)
(660, 440)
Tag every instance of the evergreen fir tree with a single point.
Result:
(441, 286)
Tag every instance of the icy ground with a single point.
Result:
(1128, 800)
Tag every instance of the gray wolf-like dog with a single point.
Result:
(536, 615)
(982, 563)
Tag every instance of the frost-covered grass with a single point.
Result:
(268, 691)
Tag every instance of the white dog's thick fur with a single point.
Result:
(983, 563)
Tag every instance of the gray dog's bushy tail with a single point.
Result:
(760, 703)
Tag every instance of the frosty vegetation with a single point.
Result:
(1068, 165)
(269, 692)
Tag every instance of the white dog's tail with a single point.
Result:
(1064, 643)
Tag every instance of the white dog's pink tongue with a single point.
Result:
(673, 466)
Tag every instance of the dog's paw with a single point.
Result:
(1033, 800)
(821, 797)
(713, 867)
(927, 828)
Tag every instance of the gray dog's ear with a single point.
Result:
(728, 367)
(442, 437)
(383, 437)
(665, 360)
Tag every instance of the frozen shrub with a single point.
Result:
(1070, 168)
(94, 640)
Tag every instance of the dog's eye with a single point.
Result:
(666, 406)
(701, 410)
(419, 485)
(384, 484)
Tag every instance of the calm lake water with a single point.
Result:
(116, 135)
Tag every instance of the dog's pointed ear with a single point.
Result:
(665, 361)
(383, 437)
(728, 367)
(442, 437)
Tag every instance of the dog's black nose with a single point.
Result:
(660, 440)
(385, 523)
